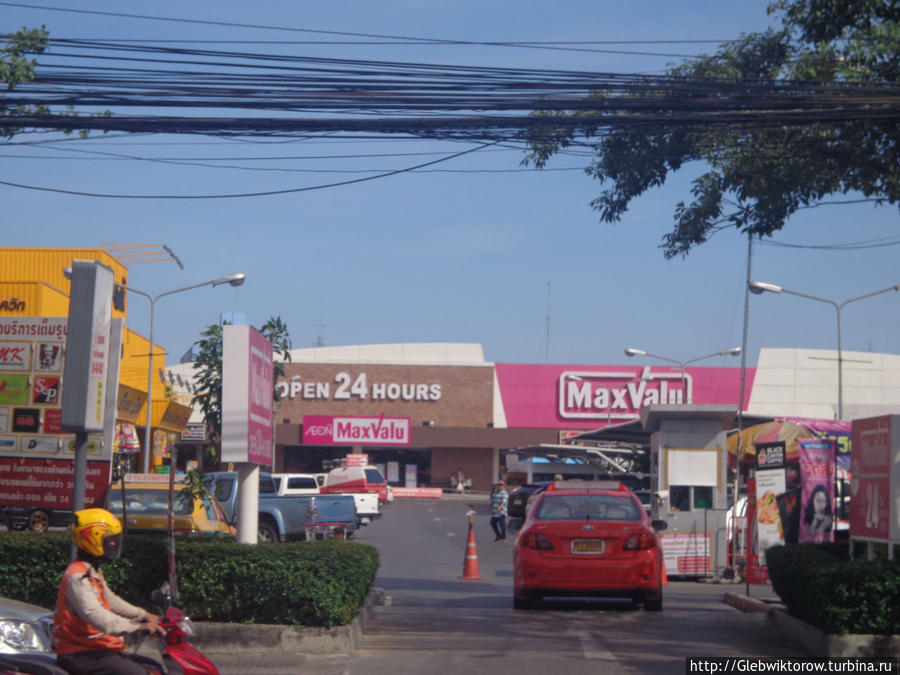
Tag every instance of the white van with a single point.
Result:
(296, 484)
(357, 479)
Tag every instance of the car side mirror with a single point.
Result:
(659, 525)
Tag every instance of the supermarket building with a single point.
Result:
(452, 409)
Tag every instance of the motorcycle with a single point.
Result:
(175, 653)
(43, 663)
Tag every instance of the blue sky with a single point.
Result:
(463, 252)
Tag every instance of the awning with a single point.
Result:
(170, 416)
(129, 403)
(786, 430)
(614, 459)
(638, 432)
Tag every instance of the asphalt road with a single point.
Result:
(434, 621)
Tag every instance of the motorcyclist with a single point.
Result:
(90, 619)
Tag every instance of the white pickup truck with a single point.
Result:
(367, 505)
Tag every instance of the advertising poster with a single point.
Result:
(15, 355)
(874, 452)
(770, 485)
(755, 573)
(686, 553)
(410, 476)
(393, 472)
(817, 490)
(48, 482)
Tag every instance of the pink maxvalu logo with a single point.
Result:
(616, 394)
(349, 429)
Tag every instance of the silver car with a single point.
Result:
(24, 628)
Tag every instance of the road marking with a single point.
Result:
(593, 649)
(450, 534)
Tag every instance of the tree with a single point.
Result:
(761, 173)
(16, 68)
(208, 379)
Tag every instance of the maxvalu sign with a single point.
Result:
(355, 430)
(587, 396)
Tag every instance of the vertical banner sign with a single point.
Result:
(770, 484)
(247, 396)
(87, 347)
(817, 490)
(875, 479)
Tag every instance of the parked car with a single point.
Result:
(147, 509)
(285, 518)
(331, 516)
(24, 628)
(35, 519)
(589, 539)
(357, 479)
(517, 507)
(296, 484)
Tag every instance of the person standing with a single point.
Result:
(499, 506)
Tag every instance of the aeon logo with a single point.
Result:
(318, 430)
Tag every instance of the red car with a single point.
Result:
(588, 539)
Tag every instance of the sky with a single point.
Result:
(476, 249)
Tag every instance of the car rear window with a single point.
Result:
(374, 476)
(302, 483)
(588, 507)
(152, 502)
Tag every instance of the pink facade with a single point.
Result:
(589, 397)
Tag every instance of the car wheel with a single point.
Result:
(266, 534)
(654, 604)
(38, 521)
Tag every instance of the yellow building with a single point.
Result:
(32, 284)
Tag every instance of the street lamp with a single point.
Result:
(760, 287)
(631, 351)
(232, 280)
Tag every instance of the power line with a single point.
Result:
(266, 193)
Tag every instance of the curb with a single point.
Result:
(746, 603)
(235, 638)
(813, 639)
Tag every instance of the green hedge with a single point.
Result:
(320, 583)
(840, 596)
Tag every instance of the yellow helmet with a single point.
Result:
(98, 533)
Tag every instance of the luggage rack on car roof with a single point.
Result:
(587, 485)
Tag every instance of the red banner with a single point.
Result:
(47, 483)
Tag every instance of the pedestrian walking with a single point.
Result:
(499, 505)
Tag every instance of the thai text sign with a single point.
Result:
(247, 396)
(353, 430)
(875, 479)
(47, 482)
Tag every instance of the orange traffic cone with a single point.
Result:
(470, 564)
(663, 575)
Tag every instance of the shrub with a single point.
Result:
(319, 583)
(822, 587)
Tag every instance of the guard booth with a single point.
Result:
(688, 481)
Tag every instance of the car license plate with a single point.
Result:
(587, 546)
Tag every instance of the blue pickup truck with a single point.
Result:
(289, 517)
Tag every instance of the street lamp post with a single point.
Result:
(631, 351)
(231, 279)
(760, 287)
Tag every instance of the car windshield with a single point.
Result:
(588, 507)
(151, 502)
